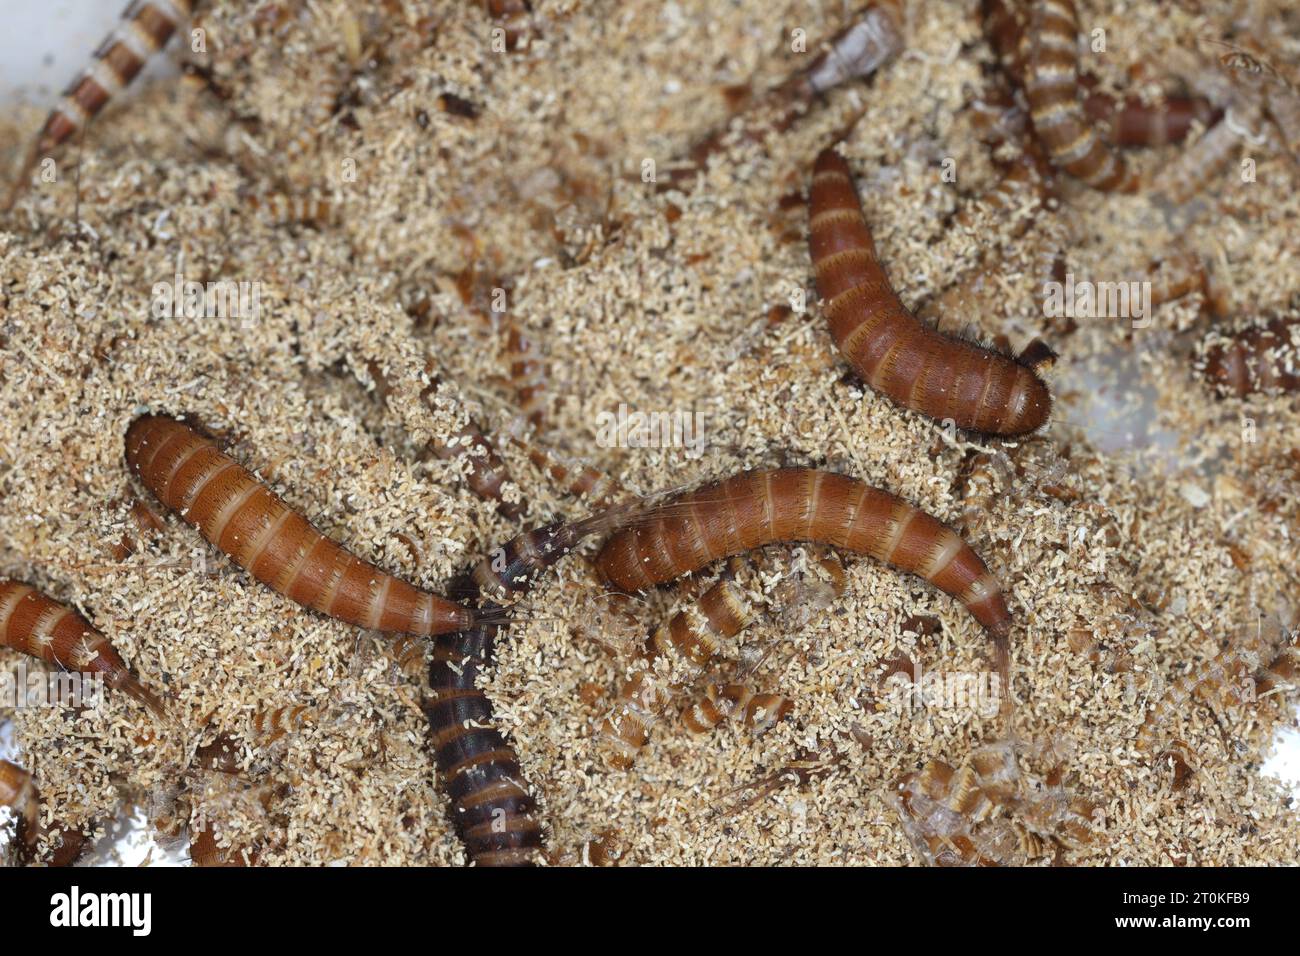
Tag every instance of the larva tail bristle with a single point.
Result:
(1037, 355)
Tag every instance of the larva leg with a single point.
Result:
(753, 509)
(146, 27)
(240, 516)
(914, 365)
(33, 624)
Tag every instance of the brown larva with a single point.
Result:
(243, 518)
(1263, 358)
(491, 807)
(18, 793)
(33, 624)
(801, 504)
(914, 365)
(146, 27)
(1051, 81)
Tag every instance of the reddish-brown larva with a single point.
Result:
(146, 27)
(801, 504)
(279, 547)
(270, 725)
(1135, 123)
(1051, 80)
(33, 624)
(1260, 359)
(914, 365)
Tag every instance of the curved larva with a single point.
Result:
(1263, 358)
(240, 516)
(1051, 79)
(270, 725)
(914, 365)
(689, 642)
(33, 624)
(146, 27)
(492, 809)
(801, 504)
(719, 702)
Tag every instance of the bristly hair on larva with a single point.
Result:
(33, 624)
(146, 27)
(893, 352)
(240, 516)
(753, 509)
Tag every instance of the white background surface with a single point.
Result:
(44, 43)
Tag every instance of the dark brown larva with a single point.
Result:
(915, 366)
(35, 625)
(146, 27)
(1135, 123)
(279, 547)
(1051, 79)
(1263, 358)
(801, 504)
(492, 809)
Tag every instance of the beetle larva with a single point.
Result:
(1051, 81)
(270, 725)
(1135, 123)
(873, 39)
(240, 516)
(801, 504)
(689, 641)
(146, 27)
(492, 810)
(1209, 156)
(1263, 358)
(759, 712)
(62, 846)
(915, 366)
(33, 624)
